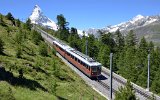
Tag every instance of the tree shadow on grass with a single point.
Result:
(3, 54)
(17, 81)
(61, 98)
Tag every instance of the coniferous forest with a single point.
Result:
(129, 52)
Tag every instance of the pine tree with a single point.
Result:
(103, 55)
(63, 30)
(73, 31)
(36, 37)
(19, 51)
(19, 38)
(83, 44)
(1, 20)
(10, 17)
(127, 64)
(62, 23)
(28, 24)
(91, 46)
(18, 23)
(119, 40)
(43, 49)
(131, 39)
(142, 53)
(151, 46)
(126, 93)
(108, 40)
(143, 44)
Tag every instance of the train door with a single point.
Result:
(98, 70)
(94, 70)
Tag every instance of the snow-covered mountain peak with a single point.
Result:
(137, 18)
(37, 8)
(37, 17)
(35, 14)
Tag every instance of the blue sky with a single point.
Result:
(84, 14)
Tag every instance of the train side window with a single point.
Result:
(72, 57)
(75, 59)
(82, 63)
(85, 65)
(78, 61)
(89, 67)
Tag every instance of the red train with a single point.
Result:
(83, 62)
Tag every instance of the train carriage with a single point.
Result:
(83, 62)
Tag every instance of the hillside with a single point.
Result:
(27, 73)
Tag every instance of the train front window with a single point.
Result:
(99, 68)
(94, 69)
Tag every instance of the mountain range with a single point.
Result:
(147, 26)
(137, 22)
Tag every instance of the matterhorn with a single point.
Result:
(37, 17)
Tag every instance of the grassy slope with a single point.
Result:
(38, 73)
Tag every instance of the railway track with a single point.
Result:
(106, 86)
(118, 80)
(123, 83)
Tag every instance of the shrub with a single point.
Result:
(43, 49)
(1, 46)
(36, 37)
(6, 94)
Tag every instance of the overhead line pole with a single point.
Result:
(86, 46)
(148, 72)
(111, 56)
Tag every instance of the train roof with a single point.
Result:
(84, 58)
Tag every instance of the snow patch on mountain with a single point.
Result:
(150, 21)
(37, 17)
